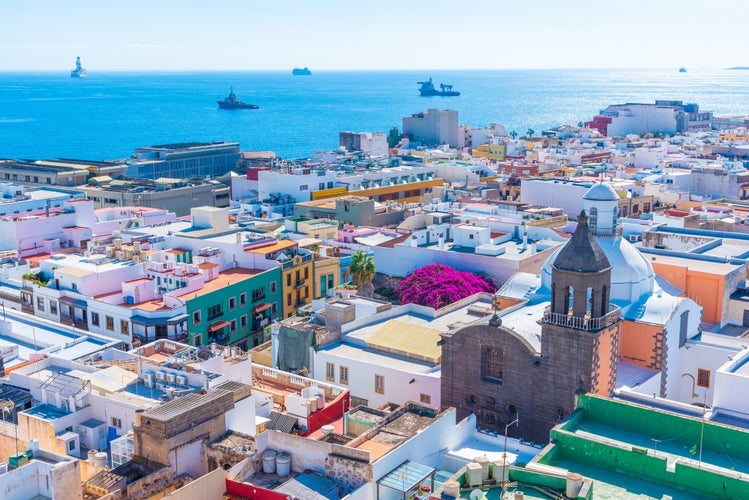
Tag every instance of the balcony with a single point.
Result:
(74, 322)
(300, 283)
(582, 323)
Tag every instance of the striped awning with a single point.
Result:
(218, 325)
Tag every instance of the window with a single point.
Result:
(243, 321)
(379, 385)
(288, 279)
(321, 186)
(343, 375)
(53, 307)
(232, 303)
(109, 320)
(40, 303)
(303, 187)
(124, 327)
(288, 299)
(233, 326)
(71, 445)
(330, 372)
(425, 398)
(95, 319)
(214, 312)
(703, 377)
(258, 294)
(116, 422)
(491, 364)
(243, 299)
(273, 287)
(196, 317)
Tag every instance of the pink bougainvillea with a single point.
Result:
(437, 285)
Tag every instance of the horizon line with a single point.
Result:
(352, 70)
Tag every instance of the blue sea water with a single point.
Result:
(107, 115)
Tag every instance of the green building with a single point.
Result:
(236, 308)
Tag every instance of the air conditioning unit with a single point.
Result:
(160, 375)
(170, 377)
(181, 380)
(148, 379)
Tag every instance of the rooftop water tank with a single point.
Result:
(269, 461)
(327, 429)
(283, 464)
(100, 459)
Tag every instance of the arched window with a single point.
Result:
(593, 219)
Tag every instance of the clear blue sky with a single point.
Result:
(385, 34)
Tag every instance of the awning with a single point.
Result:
(261, 307)
(218, 325)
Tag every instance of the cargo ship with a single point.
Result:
(301, 71)
(427, 89)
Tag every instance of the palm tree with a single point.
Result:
(362, 271)
(513, 134)
(530, 132)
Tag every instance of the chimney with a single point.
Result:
(414, 241)
(525, 237)
(441, 241)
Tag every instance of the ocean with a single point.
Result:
(106, 115)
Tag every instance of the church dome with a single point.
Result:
(601, 192)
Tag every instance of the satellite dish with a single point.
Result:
(477, 494)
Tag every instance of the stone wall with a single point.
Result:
(347, 473)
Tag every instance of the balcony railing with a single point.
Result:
(582, 323)
(300, 283)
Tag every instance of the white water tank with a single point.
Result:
(574, 484)
(452, 488)
(92, 456)
(100, 459)
(501, 470)
(312, 405)
(327, 429)
(33, 446)
(283, 464)
(519, 495)
(269, 461)
(474, 473)
(483, 461)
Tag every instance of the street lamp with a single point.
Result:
(9, 410)
(516, 421)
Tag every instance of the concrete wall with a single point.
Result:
(60, 480)
(211, 485)
(305, 453)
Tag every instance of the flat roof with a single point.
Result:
(718, 268)
(226, 278)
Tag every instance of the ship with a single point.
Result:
(78, 71)
(427, 89)
(232, 102)
(301, 71)
(682, 70)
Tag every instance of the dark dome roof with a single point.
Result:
(582, 253)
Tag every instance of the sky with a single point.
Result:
(247, 35)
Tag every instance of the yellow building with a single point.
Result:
(494, 152)
(326, 270)
(296, 273)
(380, 191)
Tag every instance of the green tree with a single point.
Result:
(362, 271)
(394, 137)
(530, 132)
(513, 134)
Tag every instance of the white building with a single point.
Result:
(433, 127)
(393, 356)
